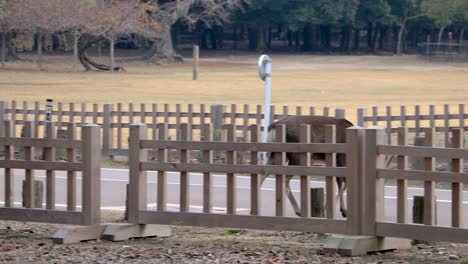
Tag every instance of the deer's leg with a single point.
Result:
(291, 197)
(341, 182)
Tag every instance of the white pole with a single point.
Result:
(264, 70)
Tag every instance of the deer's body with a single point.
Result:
(317, 133)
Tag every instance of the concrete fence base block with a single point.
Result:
(121, 232)
(360, 245)
(76, 234)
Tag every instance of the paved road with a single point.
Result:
(114, 182)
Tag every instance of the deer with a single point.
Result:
(317, 134)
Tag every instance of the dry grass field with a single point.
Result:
(227, 78)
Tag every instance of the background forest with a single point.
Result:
(160, 28)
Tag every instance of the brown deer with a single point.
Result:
(317, 133)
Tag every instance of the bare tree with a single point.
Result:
(210, 12)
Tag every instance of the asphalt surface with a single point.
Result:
(113, 193)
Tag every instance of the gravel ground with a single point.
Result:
(30, 243)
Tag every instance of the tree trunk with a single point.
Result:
(75, 49)
(441, 33)
(234, 38)
(290, 38)
(39, 50)
(3, 52)
(307, 32)
(261, 41)
(357, 39)
(400, 38)
(162, 51)
(370, 27)
(111, 49)
(253, 38)
(90, 64)
(462, 33)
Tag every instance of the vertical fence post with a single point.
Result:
(429, 186)
(457, 188)
(196, 62)
(9, 155)
(402, 185)
(330, 181)
(340, 113)
(217, 119)
(49, 155)
(3, 106)
(107, 135)
(29, 191)
(354, 167)
(138, 177)
(372, 193)
(306, 210)
(207, 178)
(280, 158)
(163, 129)
(255, 179)
(361, 114)
(91, 189)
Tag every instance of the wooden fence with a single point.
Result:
(377, 173)
(139, 166)
(365, 174)
(16, 166)
(417, 119)
(115, 119)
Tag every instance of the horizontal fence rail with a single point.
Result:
(30, 154)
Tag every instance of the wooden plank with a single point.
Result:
(285, 110)
(28, 161)
(417, 118)
(166, 113)
(245, 120)
(361, 112)
(137, 176)
(388, 129)
(354, 183)
(244, 146)
(3, 115)
(107, 131)
(446, 125)
(248, 169)
(71, 175)
(177, 115)
(416, 175)
(91, 174)
(255, 179)
(94, 114)
(207, 156)
(311, 110)
(298, 110)
(326, 111)
(71, 113)
(372, 192)
(119, 126)
(245, 222)
(258, 115)
(448, 153)
(304, 137)
(330, 181)
(232, 114)
(190, 115)
(13, 116)
(202, 114)
(375, 114)
(131, 113)
(83, 114)
(402, 185)
(231, 198)
(163, 132)
(461, 119)
(280, 160)
(432, 116)
(422, 232)
(40, 215)
(143, 113)
(154, 121)
(457, 188)
(36, 118)
(185, 135)
(50, 174)
(403, 116)
(59, 114)
(429, 186)
(41, 142)
(9, 152)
